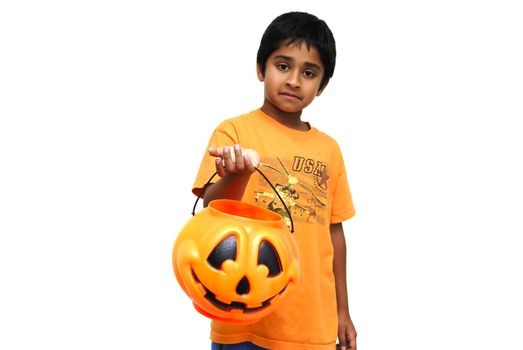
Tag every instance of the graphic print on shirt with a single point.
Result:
(303, 189)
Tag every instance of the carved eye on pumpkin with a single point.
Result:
(267, 256)
(225, 250)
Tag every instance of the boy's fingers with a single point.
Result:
(249, 166)
(253, 156)
(227, 160)
(215, 152)
(239, 164)
(343, 341)
(352, 341)
(219, 167)
(234, 159)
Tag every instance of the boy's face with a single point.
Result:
(293, 75)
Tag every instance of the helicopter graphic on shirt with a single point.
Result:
(301, 204)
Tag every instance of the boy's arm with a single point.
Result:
(234, 169)
(346, 330)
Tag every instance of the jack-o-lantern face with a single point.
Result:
(235, 261)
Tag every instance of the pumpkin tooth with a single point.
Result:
(201, 289)
(274, 299)
(236, 311)
(254, 305)
(223, 300)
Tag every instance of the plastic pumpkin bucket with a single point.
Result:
(236, 261)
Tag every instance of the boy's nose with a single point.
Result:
(293, 79)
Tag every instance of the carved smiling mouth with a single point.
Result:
(211, 297)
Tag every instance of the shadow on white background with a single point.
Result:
(105, 111)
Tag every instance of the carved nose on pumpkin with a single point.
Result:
(243, 286)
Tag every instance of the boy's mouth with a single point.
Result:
(290, 94)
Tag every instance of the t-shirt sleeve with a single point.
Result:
(342, 205)
(224, 135)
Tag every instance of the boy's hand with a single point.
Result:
(346, 333)
(234, 159)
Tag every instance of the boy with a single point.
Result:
(295, 61)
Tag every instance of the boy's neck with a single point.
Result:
(290, 120)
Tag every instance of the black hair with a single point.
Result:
(298, 28)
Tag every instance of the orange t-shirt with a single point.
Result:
(307, 168)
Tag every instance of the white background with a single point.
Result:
(106, 108)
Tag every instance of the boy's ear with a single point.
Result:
(323, 88)
(259, 72)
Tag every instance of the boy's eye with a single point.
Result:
(282, 66)
(309, 74)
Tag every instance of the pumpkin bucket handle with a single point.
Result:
(266, 179)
